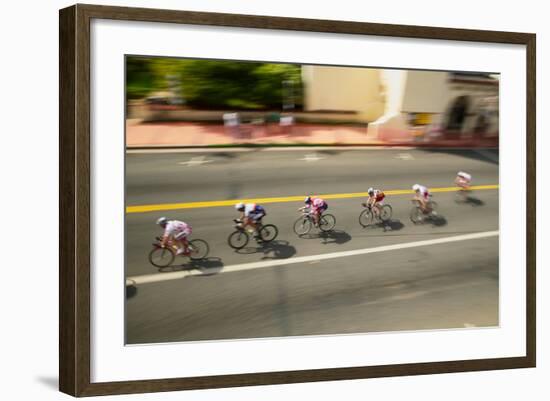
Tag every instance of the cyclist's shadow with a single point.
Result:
(389, 225)
(277, 249)
(207, 266)
(435, 221)
(329, 237)
(473, 201)
(468, 199)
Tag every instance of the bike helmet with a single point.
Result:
(307, 200)
(239, 206)
(162, 221)
(416, 187)
(370, 191)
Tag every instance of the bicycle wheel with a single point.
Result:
(366, 218)
(198, 249)
(386, 213)
(460, 197)
(161, 257)
(327, 222)
(238, 239)
(268, 232)
(416, 215)
(302, 226)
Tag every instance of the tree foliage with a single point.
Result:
(216, 84)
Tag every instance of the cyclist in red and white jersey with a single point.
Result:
(375, 199)
(316, 206)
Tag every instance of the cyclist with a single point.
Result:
(251, 214)
(463, 180)
(422, 195)
(178, 231)
(375, 200)
(316, 206)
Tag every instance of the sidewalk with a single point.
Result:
(180, 134)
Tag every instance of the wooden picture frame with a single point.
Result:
(74, 205)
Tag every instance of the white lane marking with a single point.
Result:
(152, 278)
(196, 161)
(311, 157)
(404, 156)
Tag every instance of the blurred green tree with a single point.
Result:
(138, 77)
(216, 83)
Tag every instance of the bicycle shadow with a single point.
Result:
(390, 225)
(393, 225)
(329, 237)
(277, 249)
(207, 266)
(473, 201)
(466, 198)
(436, 221)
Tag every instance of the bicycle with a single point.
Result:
(367, 218)
(305, 223)
(418, 215)
(463, 195)
(239, 238)
(163, 256)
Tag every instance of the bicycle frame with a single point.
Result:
(242, 227)
(309, 215)
(171, 244)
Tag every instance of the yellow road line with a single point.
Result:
(196, 205)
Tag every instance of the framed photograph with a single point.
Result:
(250, 200)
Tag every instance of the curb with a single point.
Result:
(409, 145)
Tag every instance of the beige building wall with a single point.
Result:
(433, 94)
(482, 99)
(344, 89)
(388, 99)
(425, 92)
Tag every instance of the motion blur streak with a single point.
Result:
(440, 285)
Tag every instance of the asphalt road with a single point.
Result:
(452, 284)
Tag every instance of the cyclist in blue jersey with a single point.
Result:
(251, 214)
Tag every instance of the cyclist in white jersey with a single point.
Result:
(176, 230)
(422, 195)
(463, 180)
(251, 214)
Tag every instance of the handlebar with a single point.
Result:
(159, 242)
